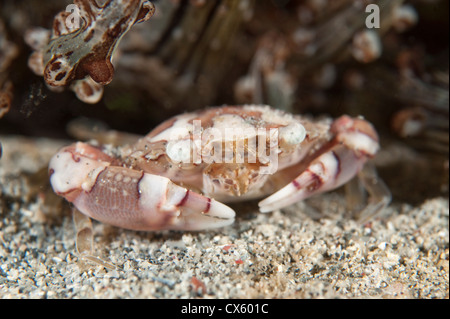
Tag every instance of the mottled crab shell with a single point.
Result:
(254, 142)
(169, 180)
(228, 125)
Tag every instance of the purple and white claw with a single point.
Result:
(128, 198)
(354, 143)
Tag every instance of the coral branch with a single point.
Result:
(79, 50)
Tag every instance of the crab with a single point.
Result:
(182, 173)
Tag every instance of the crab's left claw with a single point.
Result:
(328, 171)
(344, 157)
(128, 198)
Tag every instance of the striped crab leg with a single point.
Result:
(129, 198)
(354, 143)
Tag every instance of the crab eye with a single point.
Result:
(179, 151)
(292, 134)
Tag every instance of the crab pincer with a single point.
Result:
(129, 198)
(354, 142)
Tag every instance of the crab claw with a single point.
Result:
(129, 198)
(323, 174)
(355, 141)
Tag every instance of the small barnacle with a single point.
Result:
(80, 58)
(87, 90)
(404, 17)
(367, 46)
(424, 122)
(409, 122)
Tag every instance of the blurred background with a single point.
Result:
(312, 57)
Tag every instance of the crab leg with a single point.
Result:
(128, 198)
(84, 242)
(85, 235)
(379, 193)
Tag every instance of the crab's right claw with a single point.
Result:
(129, 198)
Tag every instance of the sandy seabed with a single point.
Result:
(286, 254)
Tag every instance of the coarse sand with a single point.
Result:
(285, 254)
